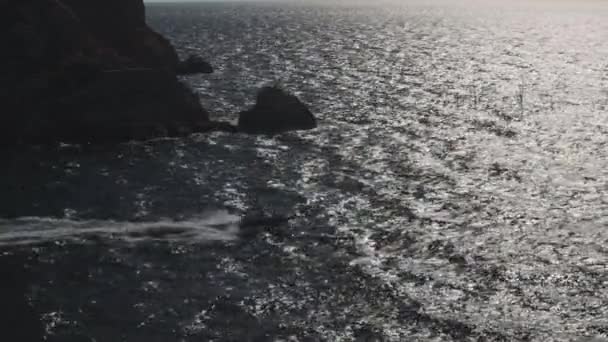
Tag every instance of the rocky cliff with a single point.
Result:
(88, 70)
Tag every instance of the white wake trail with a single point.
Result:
(213, 226)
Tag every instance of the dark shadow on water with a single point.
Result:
(18, 319)
(107, 289)
(261, 287)
(172, 179)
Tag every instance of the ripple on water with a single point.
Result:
(454, 190)
(476, 147)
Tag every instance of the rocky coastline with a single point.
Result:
(90, 71)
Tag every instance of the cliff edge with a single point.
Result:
(89, 71)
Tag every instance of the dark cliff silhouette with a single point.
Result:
(89, 70)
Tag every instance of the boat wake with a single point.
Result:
(213, 226)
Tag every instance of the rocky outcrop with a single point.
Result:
(193, 65)
(121, 25)
(88, 70)
(127, 104)
(276, 111)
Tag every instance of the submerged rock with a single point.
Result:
(193, 65)
(276, 111)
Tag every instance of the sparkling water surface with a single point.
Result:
(455, 190)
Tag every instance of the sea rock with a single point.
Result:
(194, 65)
(276, 111)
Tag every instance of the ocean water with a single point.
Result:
(456, 188)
